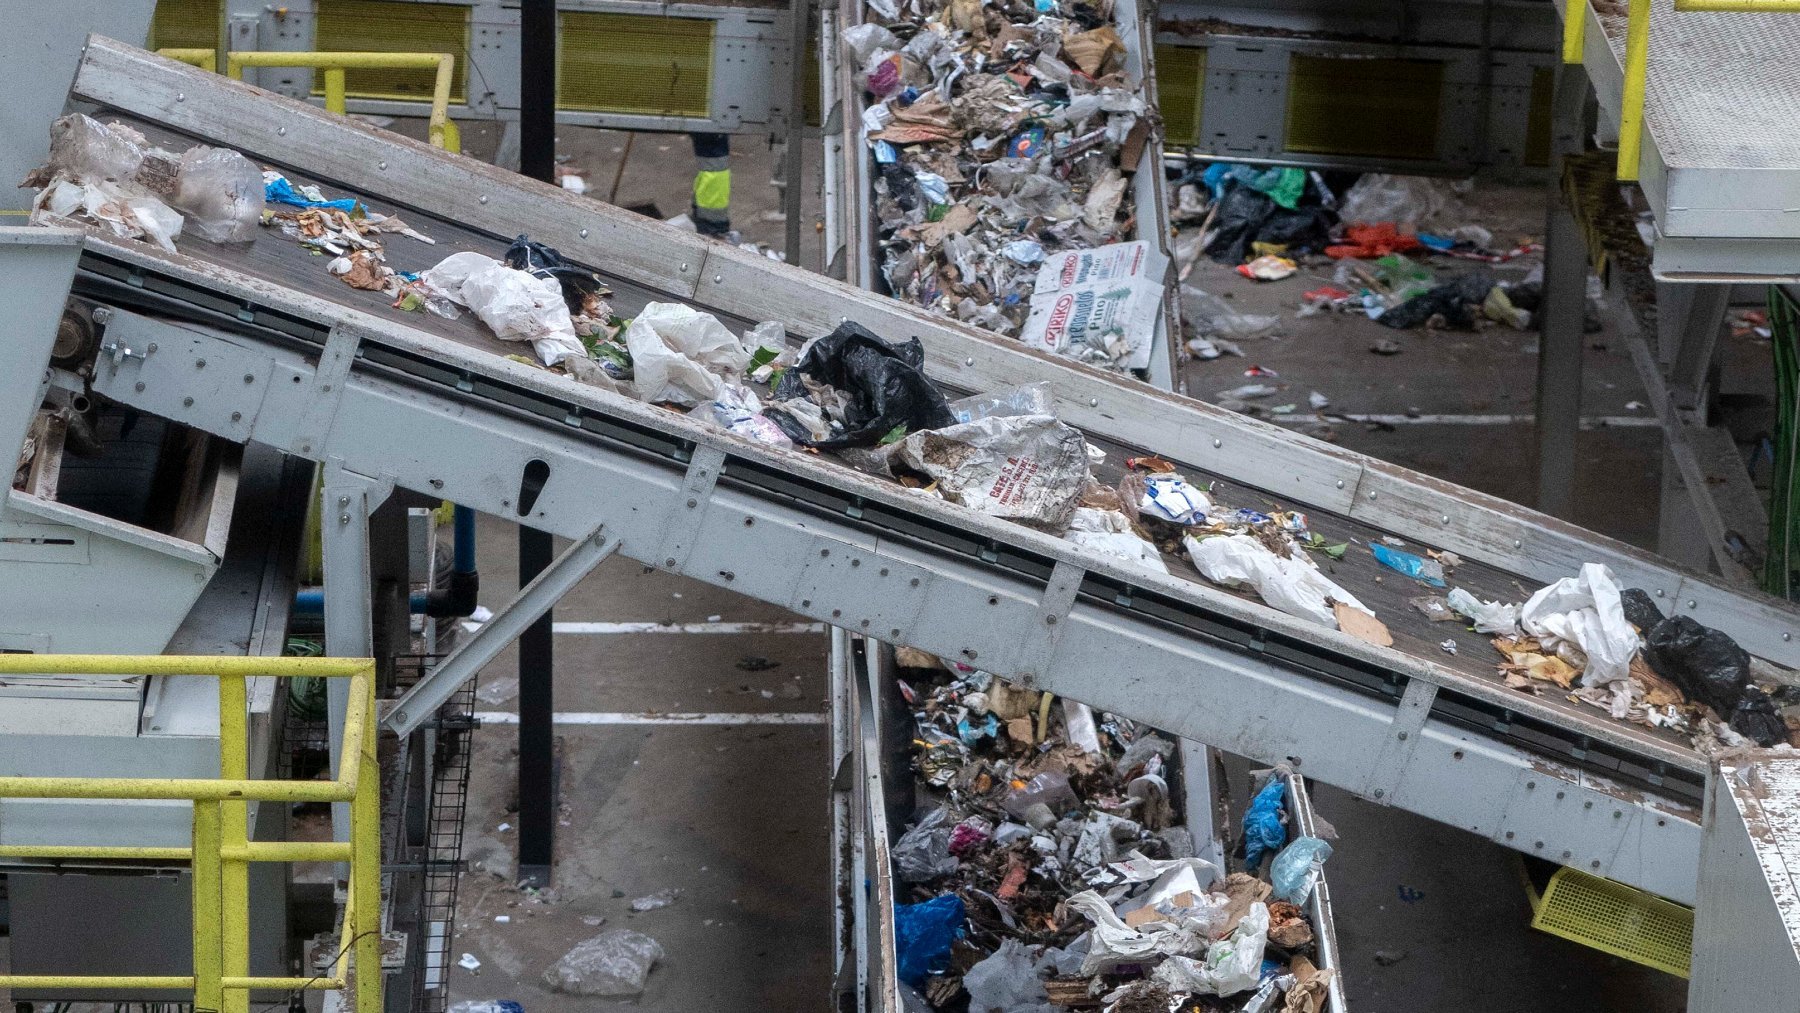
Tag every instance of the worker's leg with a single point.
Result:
(712, 183)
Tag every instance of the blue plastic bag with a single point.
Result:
(923, 933)
(1425, 571)
(1290, 871)
(1264, 833)
(280, 191)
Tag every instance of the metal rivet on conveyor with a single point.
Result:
(1445, 519)
(139, 387)
(481, 199)
(187, 402)
(1691, 603)
(1517, 543)
(249, 377)
(692, 503)
(381, 165)
(1218, 443)
(895, 631)
(855, 563)
(1539, 845)
(280, 131)
(718, 278)
(1049, 620)
(1379, 793)
(343, 518)
(1340, 483)
(584, 233)
(199, 363)
(1509, 835)
(1659, 592)
(865, 624)
(1560, 795)
(1529, 785)
(669, 562)
(1371, 495)
(1595, 864)
(970, 361)
(181, 96)
(1787, 636)
(237, 416)
(684, 269)
(1402, 736)
(728, 575)
(913, 583)
(836, 613)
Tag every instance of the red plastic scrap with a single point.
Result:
(1015, 879)
(1365, 241)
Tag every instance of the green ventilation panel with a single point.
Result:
(643, 64)
(1364, 108)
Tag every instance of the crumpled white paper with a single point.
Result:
(1109, 532)
(1586, 612)
(681, 354)
(1293, 585)
(515, 305)
(1024, 468)
(1488, 616)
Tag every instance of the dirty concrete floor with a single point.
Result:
(735, 816)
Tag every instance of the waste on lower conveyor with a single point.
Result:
(1002, 135)
(1049, 866)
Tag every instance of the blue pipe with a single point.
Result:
(457, 600)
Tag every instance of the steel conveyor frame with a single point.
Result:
(396, 403)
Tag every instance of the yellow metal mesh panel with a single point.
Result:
(1370, 108)
(1537, 122)
(636, 63)
(394, 26)
(1180, 71)
(187, 24)
(1617, 919)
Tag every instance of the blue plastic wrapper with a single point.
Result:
(973, 733)
(885, 153)
(1425, 571)
(280, 191)
(1289, 871)
(1264, 833)
(1027, 143)
(923, 933)
(1436, 242)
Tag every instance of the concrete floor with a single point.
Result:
(735, 816)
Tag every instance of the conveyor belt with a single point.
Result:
(433, 405)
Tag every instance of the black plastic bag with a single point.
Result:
(1708, 665)
(885, 386)
(545, 262)
(1756, 719)
(1640, 609)
(1242, 214)
(1302, 230)
(1456, 301)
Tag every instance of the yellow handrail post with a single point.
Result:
(234, 764)
(1574, 30)
(209, 953)
(1631, 102)
(365, 868)
(334, 91)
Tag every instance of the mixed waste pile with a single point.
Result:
(1369, 252)
(1003, 134)
(1050, 869)
(868, 401)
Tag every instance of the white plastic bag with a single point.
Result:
(221, 193)
(92, 151)
(1586, 612)
(1109, 532)
(1293, 585)
(1488, 616)
(682, 355)
(1025, 468)
(1178, 890)
(1006, 981)
(1231, 965)
(513, 304)
(738, 410)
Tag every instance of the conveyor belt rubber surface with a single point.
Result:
(1411, 726)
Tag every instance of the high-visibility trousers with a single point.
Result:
(712, 183)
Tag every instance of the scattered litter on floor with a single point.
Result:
(654, 901)
(469, 962)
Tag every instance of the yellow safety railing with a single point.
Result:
(442, 131)
(221, 851)
(1637, 59)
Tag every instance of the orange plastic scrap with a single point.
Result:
(1365, 241)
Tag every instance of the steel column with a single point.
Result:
(537, 662)
(1564, 312)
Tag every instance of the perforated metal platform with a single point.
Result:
(1721, 155)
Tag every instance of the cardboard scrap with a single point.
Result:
(1094, 52)
(1525, 656)
(1020, 731)
(1362, 625)
(1310, 985)
(1243, 890)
